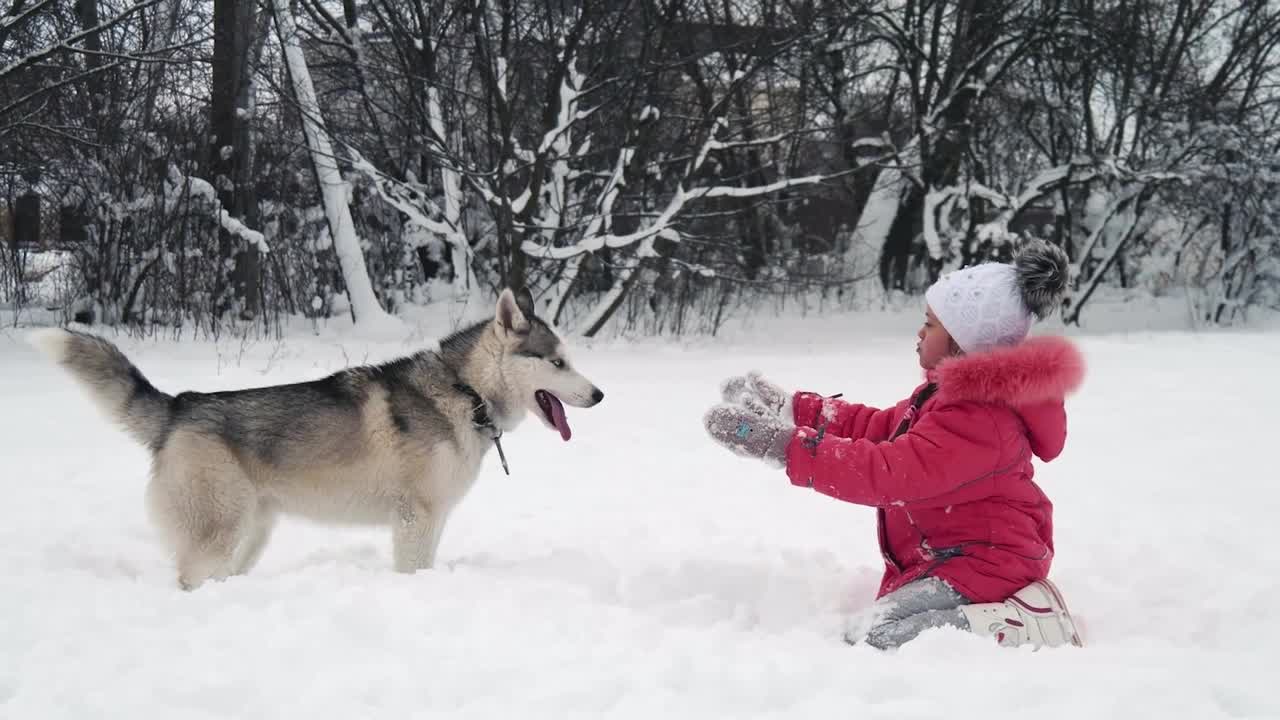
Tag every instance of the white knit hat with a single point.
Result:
(993, 304)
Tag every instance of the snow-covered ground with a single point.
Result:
(639, 569)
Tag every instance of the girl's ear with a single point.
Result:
(953, 348)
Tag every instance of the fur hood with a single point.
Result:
(1037, 370)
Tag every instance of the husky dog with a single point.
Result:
(398, 443)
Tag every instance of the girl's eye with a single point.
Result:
(558, 364)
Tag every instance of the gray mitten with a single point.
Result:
(757, 394)
(749, 434)
(733, 389)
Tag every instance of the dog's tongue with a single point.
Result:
(557, 417)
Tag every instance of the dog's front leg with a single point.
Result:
(415, 534)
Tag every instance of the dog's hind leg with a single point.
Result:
(261, 523)
(416, 531)
(203, 502)
(210, 559)
(210, 549)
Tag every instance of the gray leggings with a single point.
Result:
(906, 612)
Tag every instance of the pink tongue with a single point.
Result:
(557, 417)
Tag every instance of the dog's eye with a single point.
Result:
(558, 364)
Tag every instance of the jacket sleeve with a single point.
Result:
(947, 449)
(843, 419)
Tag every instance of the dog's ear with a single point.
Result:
(509, 316)
(524, 301)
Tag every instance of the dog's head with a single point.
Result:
(537, 366)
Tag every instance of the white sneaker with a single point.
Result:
(1035, 615)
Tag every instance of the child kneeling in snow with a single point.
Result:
(966, 535)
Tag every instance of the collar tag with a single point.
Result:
(497, 442)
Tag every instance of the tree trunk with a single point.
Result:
(87, 13)
(977, 26)
(230, 152)
(896, 256)
(365, 309)
(1072, 314)
(613, 299)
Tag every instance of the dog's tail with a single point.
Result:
(113, 383)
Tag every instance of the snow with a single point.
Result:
(519, 202)
(639, 569)
(502, 78)
(711, 142)
(570, 91)
(933, 200)
(757, 190)
(235, 227)
(871, 142)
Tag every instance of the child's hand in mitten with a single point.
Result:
(757, 394)
(748, 433)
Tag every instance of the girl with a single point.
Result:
(966, 535)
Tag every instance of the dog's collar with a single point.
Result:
(483, 421)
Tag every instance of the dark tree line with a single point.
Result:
(655, 164)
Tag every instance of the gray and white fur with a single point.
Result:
(1042, 270)
(392, 444)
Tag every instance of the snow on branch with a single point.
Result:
(411, 200)
(710, 144)
(938, 200)
(179, 186)
(405, 197)
(758, 190)
(718, 145)
(501, 78)
(871, 142)
(594, 240)
(570, 91)
(553, 150)
(11, 20)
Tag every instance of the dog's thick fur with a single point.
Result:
(386, 444)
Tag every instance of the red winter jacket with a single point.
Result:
(954, 491)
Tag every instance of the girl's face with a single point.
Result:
(935, 343)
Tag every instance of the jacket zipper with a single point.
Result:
(884, 541)
(908, 419)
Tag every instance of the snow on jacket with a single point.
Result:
(951, 479)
